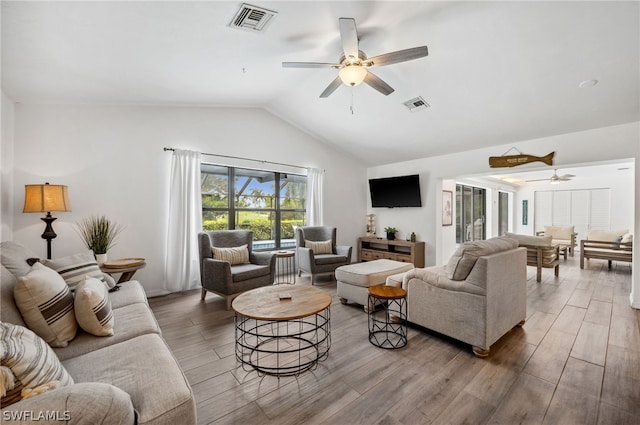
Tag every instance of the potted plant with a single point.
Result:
(99, 234)
(391, 232)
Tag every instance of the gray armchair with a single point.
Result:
(226, 280)
(320, 264)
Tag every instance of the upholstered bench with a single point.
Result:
(354, 280)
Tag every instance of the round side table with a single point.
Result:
(388, 325)
(285, 267)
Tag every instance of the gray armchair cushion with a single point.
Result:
(321, 259)
(248, 271)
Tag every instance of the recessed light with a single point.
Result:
(588, 83)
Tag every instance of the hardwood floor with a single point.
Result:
(575, 361)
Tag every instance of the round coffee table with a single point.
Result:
(388, 325)
(282, 330)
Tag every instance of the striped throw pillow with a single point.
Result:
(93, 308)
(235, 255)
(31, 360)
(319, 247)
(74, 268)
(46, 305)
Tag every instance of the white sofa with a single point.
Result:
(476, 298)
(564, 236)
(128, 378)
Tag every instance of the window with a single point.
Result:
(271, 204)
(503, 213)
(470, 213)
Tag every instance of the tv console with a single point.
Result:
(371, 248)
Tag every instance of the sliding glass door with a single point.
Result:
(470, 213)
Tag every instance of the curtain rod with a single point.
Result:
(244, 159)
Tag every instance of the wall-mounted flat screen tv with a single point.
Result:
(392, 192)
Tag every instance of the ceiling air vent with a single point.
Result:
(252, 17)
(416, 104)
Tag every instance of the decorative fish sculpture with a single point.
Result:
(515, 160)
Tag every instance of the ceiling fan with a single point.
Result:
(555, 178)
(353, 64)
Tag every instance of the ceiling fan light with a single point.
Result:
(352, 75)
(554, 181)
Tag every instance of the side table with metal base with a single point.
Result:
(285, 267)
(388, 325)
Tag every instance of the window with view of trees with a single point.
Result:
(269, 203)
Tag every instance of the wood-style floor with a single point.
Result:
(575, 361)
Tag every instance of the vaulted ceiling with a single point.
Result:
(497, 72)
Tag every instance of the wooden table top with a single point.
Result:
(387, 292)
(265, 303)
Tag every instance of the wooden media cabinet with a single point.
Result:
(377, 248)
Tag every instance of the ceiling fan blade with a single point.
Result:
(397, 56)
(349, 37)
(378, 84)
(537, 180)
(567, 176)
(309, 65)
(331, 87)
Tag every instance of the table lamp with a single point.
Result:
(46, 198)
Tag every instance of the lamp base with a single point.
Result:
(48, 233)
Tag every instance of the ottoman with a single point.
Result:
(354, 280)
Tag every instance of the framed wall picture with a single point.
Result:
(525, 212)
(447, 208)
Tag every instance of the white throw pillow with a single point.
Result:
(46, 305)
(606, 235)
(627, 238)
(31, 361)
(93, 307)
(74, 269)
(235, 255)
(319, 247)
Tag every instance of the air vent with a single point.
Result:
(252, 18)
(416, 104)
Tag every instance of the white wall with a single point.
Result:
(7, 110)
(112, 159)
(622, 196)
(608, 143)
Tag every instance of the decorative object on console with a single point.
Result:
(371, 225)
(99, 234)
(519, 159)
(447, 208)
(46, 198)
(391, 232)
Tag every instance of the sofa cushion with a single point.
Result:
(74, 268)
(31, 360)
(8, 309)
(93, 308)
(88, 403)
(145, 369)
(627, 238)
(130, 322)
(531, 240)
(559, 232)
(14, 257)
(606, 235)
(243, 272)
(465, 257)
(319, 247)
(130, 292)
(234, 255)
(321, 259)
(46, 304)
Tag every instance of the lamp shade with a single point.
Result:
(352, 75)
(45, 198)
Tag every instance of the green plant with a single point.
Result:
(98, 233)
(390, 230)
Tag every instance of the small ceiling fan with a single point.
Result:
(353, 64)
(555, 178)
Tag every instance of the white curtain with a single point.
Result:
(182, 268)
(314, 197)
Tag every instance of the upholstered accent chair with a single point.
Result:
(234, 268)
(317, 251)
